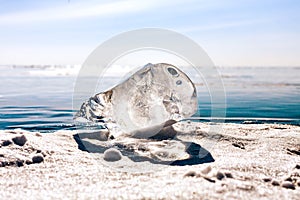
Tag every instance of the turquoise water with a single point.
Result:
(41, 102)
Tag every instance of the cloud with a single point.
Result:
(77, 10)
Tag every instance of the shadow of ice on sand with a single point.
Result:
(195, 154)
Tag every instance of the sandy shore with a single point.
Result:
(252, 161)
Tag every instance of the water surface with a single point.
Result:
(41, 98)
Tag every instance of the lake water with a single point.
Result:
(40, 99)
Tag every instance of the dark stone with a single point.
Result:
(142, 148)
(209, 179)
(297, 167)
(228, 175)
(20, 140)
(267, 179)
(11, 163)
(6, 143)
(4, 163)
(28, 162)
(239, 145)
(37, 159)
(294, 151)
(112, 137)
(220, 175)
(20, 163)
(289, 179)
(288, 185)
(44, 154)
(190, 174)
(275, 183)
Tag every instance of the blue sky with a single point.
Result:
(233, 33)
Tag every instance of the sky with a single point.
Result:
(232, 32)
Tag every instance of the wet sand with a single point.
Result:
(251, 161)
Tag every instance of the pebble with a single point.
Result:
(298, 183)
(20, 140)
(228, 175)
(239, 145)
(37, 159)
(206, 170)
(288, 179)
(112, 155)
(275, 183)
(4, 163)
(288, 185)
(220, 175)
(28, 162)
(11, 163)
(20, 163)
(38, 134)
(6, 143)
(190, 174)
(209, 179)
(267, 179)
(297, 166)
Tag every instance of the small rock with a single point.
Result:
(28, 162)
(267, 179)
(44, 154)
(275, 183)
(4, 163)
(288, 185)
(38, 134)
(11, 163)
(20, 140)
(220, 175)
(112, 155)
(6, 143)
(297, 167)
(293, 151)
(20, 163)
(288, 179)
(190, 174)
(37, 159)
(298, 183)
(206, 170)
(228, 175)
(209, 179)
(239, 145)
(111, 137)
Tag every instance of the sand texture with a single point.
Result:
(251, 161)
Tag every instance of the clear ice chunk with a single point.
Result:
(153, 96)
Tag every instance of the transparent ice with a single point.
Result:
(141, 105)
